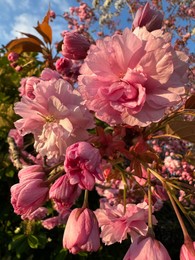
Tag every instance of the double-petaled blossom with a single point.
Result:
(49, 74)
(187, 251)
(56, 117)
(81, 232)
(63, 192)
(82, 165)
(147, 248)
(31, 191)
(133, 78)
(75, 46)
(27, 86)
(116, 223)
(148, 17)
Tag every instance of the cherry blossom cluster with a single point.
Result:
(88, 122)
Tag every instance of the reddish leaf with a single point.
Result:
(183, 129)
(59, 46)
(45, 29)
(33, 37)
(24, 45)
(136, 168)
(190, 102)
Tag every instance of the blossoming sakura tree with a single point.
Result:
(104, 136)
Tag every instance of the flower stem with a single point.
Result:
(54, 177)
(184, 230)
(124, 191)
(85, 201)
(150, 228)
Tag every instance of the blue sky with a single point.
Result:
(22, 15)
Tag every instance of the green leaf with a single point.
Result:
(33, 241)
(183, 129)
(19, 244)
(62, 254)
(82, 253)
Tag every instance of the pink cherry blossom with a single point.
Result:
(63, 66)
(75, 46)
(147, 248)
(81, 232)
(116, 225)
(27, 86)
(13, 56)
(146, 16)
(49, 74)
(63, 192)
(133, 78)
(56, 117)
(82, 165)
(38, 214)
(52, 222)
(31, 191)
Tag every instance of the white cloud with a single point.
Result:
(61, 5)
(15, 6)
(24, 23)
(4, 35)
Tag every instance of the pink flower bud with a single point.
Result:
(62, 191)
(150, 18)
(187, 251)
(63, 66)
(13, 56)
(75, 46)
(52, 14)
(31, 192)
(18, 68)
(81, 232)
(82, 164)
(147, 248)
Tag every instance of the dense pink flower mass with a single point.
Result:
(55, 116)
(31, 191)
(147, 248)
(132, 78)
(82, 165)
(81, 232)
(116, 225)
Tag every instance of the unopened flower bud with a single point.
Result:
(148, 17)
(147, 248)
(13, 56)
(82, 231)
(63, 66)
(52, 14)
(75, 46)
